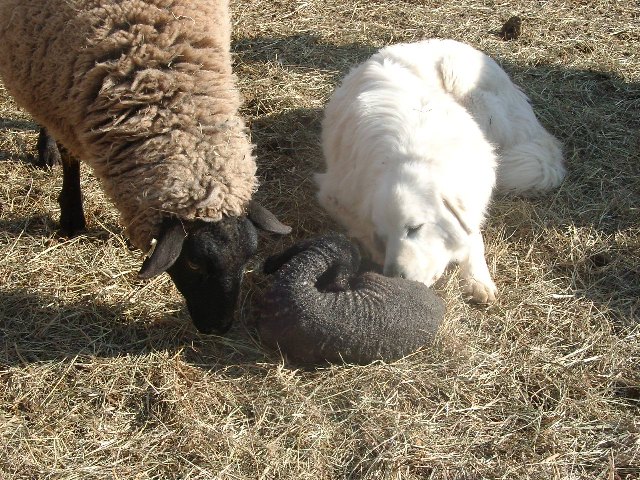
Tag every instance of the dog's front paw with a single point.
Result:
(479, 291)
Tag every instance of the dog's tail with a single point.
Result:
(531, 167)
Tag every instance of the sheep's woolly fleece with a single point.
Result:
(143, 92)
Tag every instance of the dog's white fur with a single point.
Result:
(412, 141)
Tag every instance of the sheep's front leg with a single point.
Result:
(70, 199)
(476, 279)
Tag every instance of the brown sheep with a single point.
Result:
(142, 90)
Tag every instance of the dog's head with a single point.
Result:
(417, 230)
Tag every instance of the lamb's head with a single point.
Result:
(417, 231)
(206, 262)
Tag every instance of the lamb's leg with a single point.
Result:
(48, 152)
(70, 199)
(273, 263)
(477, 282)
(327, 273)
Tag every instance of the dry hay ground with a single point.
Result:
(102, 376)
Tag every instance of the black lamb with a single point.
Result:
(320, 309)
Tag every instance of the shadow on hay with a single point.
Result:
(609, 277)
(18, 124)
(304, 50)
(292, 136)
(596, 114)
(40, 225)
(36, 328)
(47, 225)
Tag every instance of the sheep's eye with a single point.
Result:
(194, 266)
(411, 231)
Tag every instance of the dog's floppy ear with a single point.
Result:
(166, 251)
(456, 213)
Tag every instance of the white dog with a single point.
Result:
(412, 140)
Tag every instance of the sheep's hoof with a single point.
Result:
(479, 292)
(72, 222)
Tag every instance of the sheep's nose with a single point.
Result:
(394, 270)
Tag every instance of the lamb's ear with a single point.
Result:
(456, 213)
(166, 251)
(265, 220)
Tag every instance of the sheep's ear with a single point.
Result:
(265, 220)
(166, 251)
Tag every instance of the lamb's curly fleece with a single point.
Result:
(144, 93)
(320, 309)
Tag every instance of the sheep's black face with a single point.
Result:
(206, 261)
(209, 270)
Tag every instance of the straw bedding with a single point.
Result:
(103, 376)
